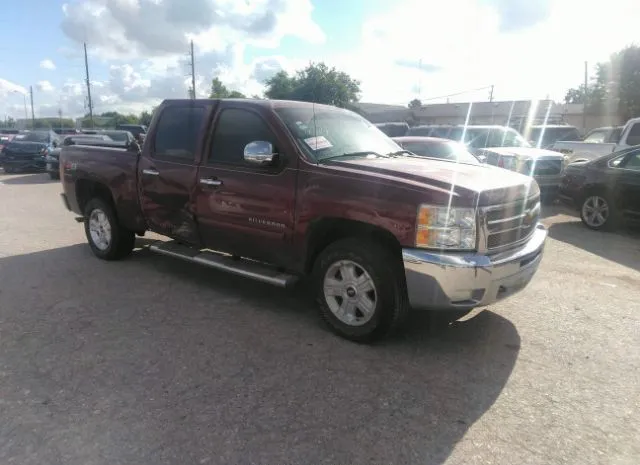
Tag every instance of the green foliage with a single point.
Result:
(415, 104)
(316, 83)
(219, 90)
(616, 85)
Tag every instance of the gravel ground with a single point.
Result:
(154, 361)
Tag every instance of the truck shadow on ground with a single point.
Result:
(26, 178)
(622, 247)
(152, 360)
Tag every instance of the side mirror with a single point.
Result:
(259, 152)
(54, 144)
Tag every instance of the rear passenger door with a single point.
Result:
(167, 171)
(243, 208)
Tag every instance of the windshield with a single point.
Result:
(480, 138)
(334, 132)
(542, 137)
(446, 150)
(36, 137)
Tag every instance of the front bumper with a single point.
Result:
(458, 281)
(37, 162)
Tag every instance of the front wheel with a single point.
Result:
(361, 291)
(107, 238)
(597, 212)
(54, 176)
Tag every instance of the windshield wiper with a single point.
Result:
(353, 154)
(402, 152)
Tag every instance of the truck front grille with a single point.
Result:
(509, 224)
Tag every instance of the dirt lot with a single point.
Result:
(153, 361)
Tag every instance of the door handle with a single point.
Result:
(151, 172)
(210, 182)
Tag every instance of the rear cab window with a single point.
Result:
(177, 133)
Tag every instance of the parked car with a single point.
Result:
(606, 191)
(139, 131)
(5, 139)
(433, 147)
(505, 147)
(66, 131)
(393, 129)
(591, 148)
(544, 136)
(52, 159)
(27, 151)
(276, 190)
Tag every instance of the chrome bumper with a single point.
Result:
(458, 281)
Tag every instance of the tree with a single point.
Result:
(615, 85)
(415, 104)
(219, 90)
(145, 117)
(316, 83)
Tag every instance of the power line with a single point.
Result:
(457, 93)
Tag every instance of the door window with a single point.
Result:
(235, 129)
(177, 133)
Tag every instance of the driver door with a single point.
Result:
(244, 207)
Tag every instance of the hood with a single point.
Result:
(524, 152)
(442, 175)
(25, 147)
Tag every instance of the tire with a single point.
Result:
(107, 238)
(8, 170)
(602, 203)
(380, 275)
(55, 176)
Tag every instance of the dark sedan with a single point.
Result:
(606, 191)
(433, 147)
(28, 151)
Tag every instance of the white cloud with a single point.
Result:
(47, 64)
(8, 87)
(471, 48)
(44, 86)
(125, 29)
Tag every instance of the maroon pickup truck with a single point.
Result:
(276, 190)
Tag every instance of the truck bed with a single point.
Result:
(83, 166)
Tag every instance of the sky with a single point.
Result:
(401, 50)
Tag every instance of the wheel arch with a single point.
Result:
(327, 230)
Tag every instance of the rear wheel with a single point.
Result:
(597, 212)
(361, 292)
(107, 238)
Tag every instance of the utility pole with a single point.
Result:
(584, 97)
(86, 67)
(193, 73)
(491, 94)
(33, 117)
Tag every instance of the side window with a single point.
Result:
(596, 137)
(177, 133)
(633, 138)
(632, 162)
(235, 129)
(493, 158)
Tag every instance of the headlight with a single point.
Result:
(446, 228)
